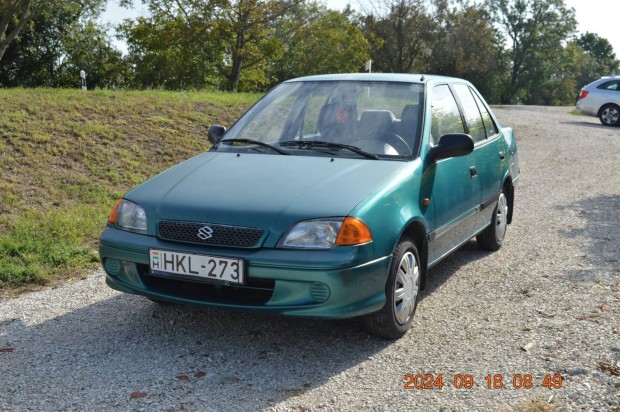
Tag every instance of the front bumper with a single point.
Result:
(339, 283)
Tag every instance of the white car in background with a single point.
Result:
(601, 98)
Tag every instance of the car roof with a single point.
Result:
(607, 79)
(379, 77)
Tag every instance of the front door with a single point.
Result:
(452, 184)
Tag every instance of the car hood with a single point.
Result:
(272, 192)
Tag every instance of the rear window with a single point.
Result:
(473, 118)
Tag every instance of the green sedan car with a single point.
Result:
(331, 197)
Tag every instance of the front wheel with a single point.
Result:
(401, 292)
(610, 115)
(492, 237)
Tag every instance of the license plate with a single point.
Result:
(202, 266)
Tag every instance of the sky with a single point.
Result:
(595, 16)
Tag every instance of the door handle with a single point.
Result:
(473, 173)
(501, 156)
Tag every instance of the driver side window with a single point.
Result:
(446, 117)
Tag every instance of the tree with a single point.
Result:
(168, 53)
(400, 32)
(87, 47)
(249, 27)
(465, 46)
(15, 15)
(535, 30)
(58, 43)
(178, 46)
(601, 59)
(236, 38)
(329, 44)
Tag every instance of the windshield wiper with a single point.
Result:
(258, 142)
(319, 143)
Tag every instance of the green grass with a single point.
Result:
(66, 156)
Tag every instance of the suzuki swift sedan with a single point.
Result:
(330, 198)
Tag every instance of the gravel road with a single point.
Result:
(548, 303)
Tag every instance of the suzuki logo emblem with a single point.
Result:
(205, 232)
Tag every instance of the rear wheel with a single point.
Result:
(492, 237)
(610, 115)
(401, 291)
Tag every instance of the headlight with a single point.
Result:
(326, 233)
(313, 234)
(128, 216)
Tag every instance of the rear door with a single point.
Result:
(489, 151)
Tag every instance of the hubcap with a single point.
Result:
(501, 218)
(406, 288)
(610, 115)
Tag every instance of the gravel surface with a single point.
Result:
(546, 303)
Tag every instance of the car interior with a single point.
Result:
(376, 131)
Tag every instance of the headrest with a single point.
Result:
(382, 120)
(410, 113)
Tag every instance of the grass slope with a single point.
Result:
(66, 156)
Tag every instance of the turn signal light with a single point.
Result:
(112, 216)
(353, 232)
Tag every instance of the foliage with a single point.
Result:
(16, 15)
(87, 47)
(536, 30)
(600, 59)
(401, 32)
(249, 41)
(514, 51)
(65, 156)
(312, 48)
(171, 53)
(465, 46)
(56, 45)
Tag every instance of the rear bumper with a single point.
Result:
(583, 108)
(327, 284)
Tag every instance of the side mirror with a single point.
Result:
(215, 133)
(452, 145)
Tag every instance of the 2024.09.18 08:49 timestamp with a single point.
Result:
(496, 381)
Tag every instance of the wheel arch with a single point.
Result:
(600, 109)
(416, 231)
(509, 189)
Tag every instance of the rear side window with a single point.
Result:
(612, 85)
(473, 118)
(446, 117)
(489, 124)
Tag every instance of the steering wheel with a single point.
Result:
(397, 142)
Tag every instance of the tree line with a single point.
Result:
(514, 51)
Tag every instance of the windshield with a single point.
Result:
(380, 119)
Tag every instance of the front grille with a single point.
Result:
(210, 234)
(253, 292)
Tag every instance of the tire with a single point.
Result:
(401, 291)
(493, 236)
(609, 115)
